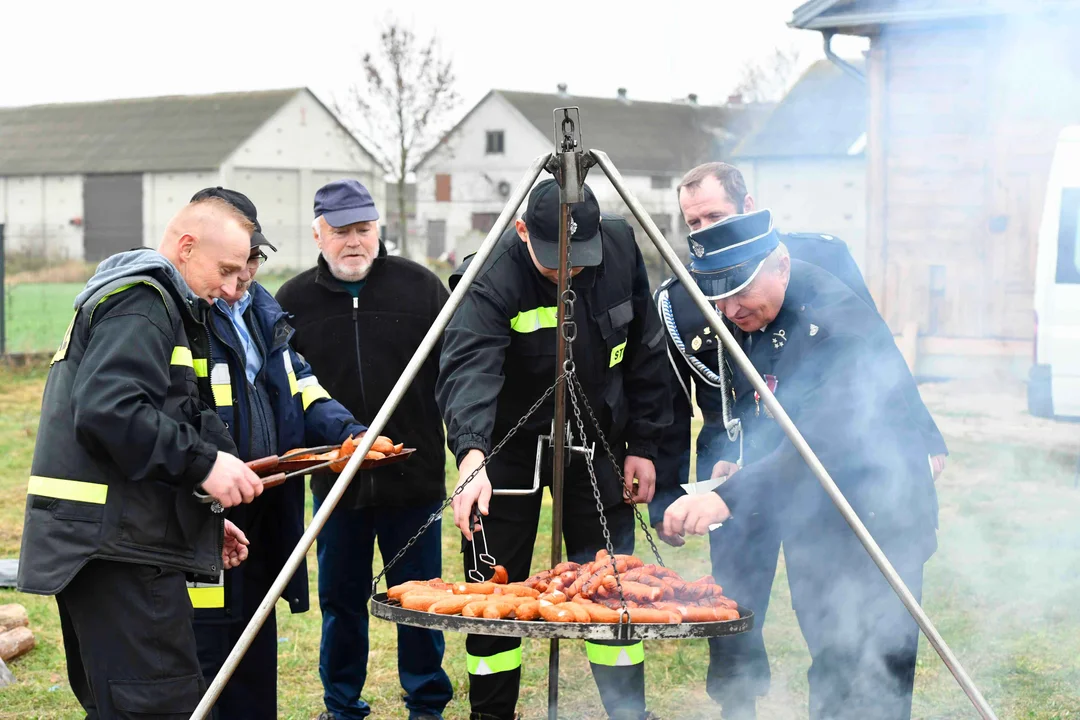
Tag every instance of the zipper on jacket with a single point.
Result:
(220, 516)
(359, 364)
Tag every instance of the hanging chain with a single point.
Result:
(569, 330)
(573, 387)
(618, 471)
(457, 491)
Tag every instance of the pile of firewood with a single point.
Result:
(16, 637)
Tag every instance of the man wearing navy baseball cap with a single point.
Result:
(359, 315)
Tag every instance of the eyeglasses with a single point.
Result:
(257, 259)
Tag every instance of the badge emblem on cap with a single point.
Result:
(695, 344)
(698, 248)
(813, 329)
(573, 225)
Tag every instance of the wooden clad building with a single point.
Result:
(966, 100)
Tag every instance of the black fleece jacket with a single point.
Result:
(358, 348)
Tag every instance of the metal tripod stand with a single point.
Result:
(569, 164)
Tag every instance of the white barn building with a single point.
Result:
(85, 180)
(464, 182)
(807, 160)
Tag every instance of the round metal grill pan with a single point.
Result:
(382, 608)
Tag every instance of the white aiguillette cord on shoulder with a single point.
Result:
(733, 426)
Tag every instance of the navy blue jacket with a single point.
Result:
(304, 416)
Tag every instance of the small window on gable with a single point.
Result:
(442, 188)
(495, 144)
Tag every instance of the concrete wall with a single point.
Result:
(165, 193)
(822, 195)
(475, 175)
(37, 211)
(280, 167)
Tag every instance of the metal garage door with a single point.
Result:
(112, 213)
(276, 194)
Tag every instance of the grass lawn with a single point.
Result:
(1002, 590)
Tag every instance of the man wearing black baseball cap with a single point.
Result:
(498, 358)
(270, 401)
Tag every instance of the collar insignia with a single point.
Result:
(698, 248)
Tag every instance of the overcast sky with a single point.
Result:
(72, 51)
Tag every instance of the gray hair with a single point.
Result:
(772, 260)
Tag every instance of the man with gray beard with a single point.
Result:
(359, 317)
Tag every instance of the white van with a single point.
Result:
(1054, 383)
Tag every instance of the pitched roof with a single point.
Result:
(864, 16)
(641, 137)
(824, 114)
(180, 132)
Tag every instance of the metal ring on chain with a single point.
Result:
(457, 491)
(608, 545)
(618, 471)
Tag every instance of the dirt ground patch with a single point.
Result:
(981, 412)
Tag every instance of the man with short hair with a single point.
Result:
(360, 315)
(127, 436)
(498, 358)
(833, 365)
(271, 402)
(708, 194)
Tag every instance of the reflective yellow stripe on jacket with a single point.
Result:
(182, 356)
(221, 385)
(207, 595)
(61, 489)
(532, 320)
(293, 387)
(311, 390)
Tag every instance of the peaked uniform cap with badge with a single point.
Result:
(727, 255)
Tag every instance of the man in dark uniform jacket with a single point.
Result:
(835, 368)
(718, 192)
(498, 358)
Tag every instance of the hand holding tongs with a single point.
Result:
(485, 557)
(270, 462)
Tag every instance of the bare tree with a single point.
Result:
(407, 94)
(768, 79)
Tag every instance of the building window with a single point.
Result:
(663, 223)
(1068, 260)
(660, 182)
(442, 188)
(495, 142)
(483, 222)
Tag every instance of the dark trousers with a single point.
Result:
(251, 693)
(129, 643)
(495, 662)
(346, 548)
(862, 641)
